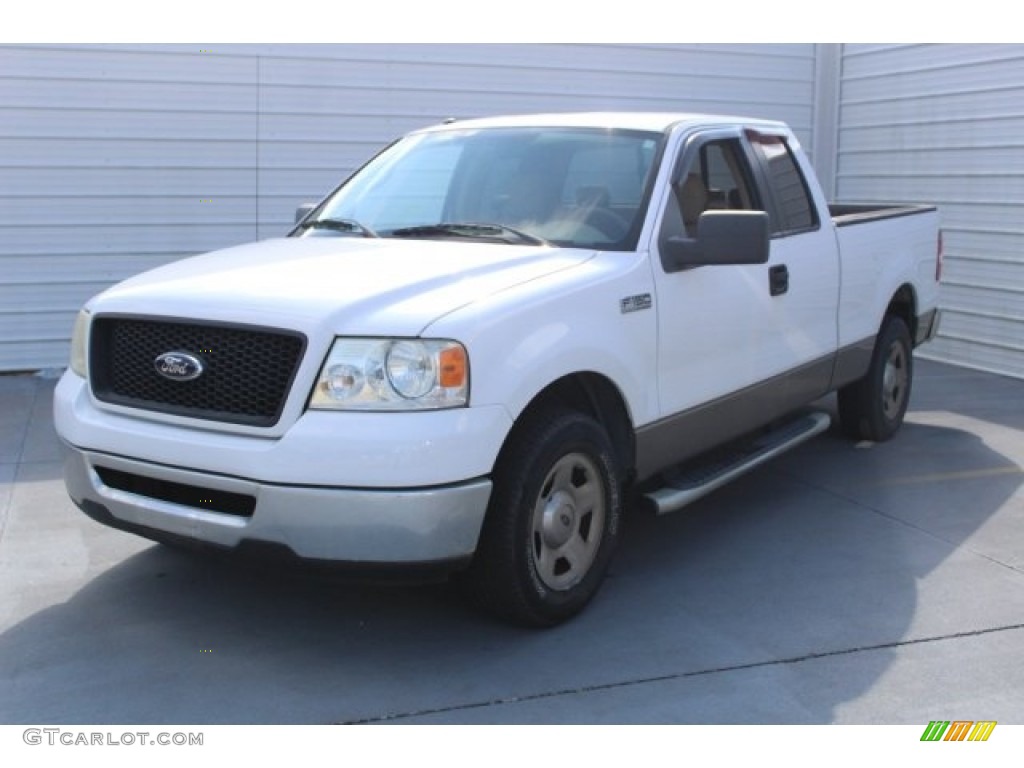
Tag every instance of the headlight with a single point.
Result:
(79, 344)
(393, 375)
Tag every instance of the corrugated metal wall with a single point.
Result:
(114, 159)
(110, 163)
(324, 111)
(945, 124)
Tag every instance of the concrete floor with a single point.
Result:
(842, 583)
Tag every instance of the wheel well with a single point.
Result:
(904, 306)
(598, 397)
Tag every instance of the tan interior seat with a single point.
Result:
(694, 202)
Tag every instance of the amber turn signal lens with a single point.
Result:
(453, 367)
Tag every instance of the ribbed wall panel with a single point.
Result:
(945, 124)
(112, 162)
(117, 158)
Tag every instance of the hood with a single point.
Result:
(342, 285)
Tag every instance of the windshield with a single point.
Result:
(573, 187)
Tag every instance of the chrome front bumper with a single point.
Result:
(352, 525)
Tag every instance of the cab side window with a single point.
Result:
(794, 209)
(717, 178)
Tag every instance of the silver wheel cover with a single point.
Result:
(568, 521)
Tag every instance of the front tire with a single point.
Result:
(552, 523)
(873, 408)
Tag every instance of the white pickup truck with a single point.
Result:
(482, 344)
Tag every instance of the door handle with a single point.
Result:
(778, 279)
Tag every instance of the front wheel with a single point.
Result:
(552, 523)
(873, 408)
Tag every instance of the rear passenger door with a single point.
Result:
(804, 265)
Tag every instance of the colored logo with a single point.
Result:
(958, 730)
(178, 366)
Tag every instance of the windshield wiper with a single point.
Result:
(340, 225)
(482, 231)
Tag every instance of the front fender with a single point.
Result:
(598, 317)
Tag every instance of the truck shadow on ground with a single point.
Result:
(705, 616)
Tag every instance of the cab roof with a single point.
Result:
(644, 121)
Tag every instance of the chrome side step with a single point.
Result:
(684, 486)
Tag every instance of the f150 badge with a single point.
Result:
(178, 366)
(635, 303)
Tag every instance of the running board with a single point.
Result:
(685, 486)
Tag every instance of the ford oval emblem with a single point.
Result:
(178, 366)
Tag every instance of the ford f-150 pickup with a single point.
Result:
(492, 339)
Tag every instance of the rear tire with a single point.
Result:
(873, 408)
(552, 523)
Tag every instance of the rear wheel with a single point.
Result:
(873, 408)
(552, 523)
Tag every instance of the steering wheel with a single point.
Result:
(607, 222)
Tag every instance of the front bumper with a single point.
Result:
(350, 525)
(321, 448)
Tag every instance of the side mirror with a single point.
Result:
(723, 237)
(303, 211)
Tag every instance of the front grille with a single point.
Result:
(247, 370)
(237, 504)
